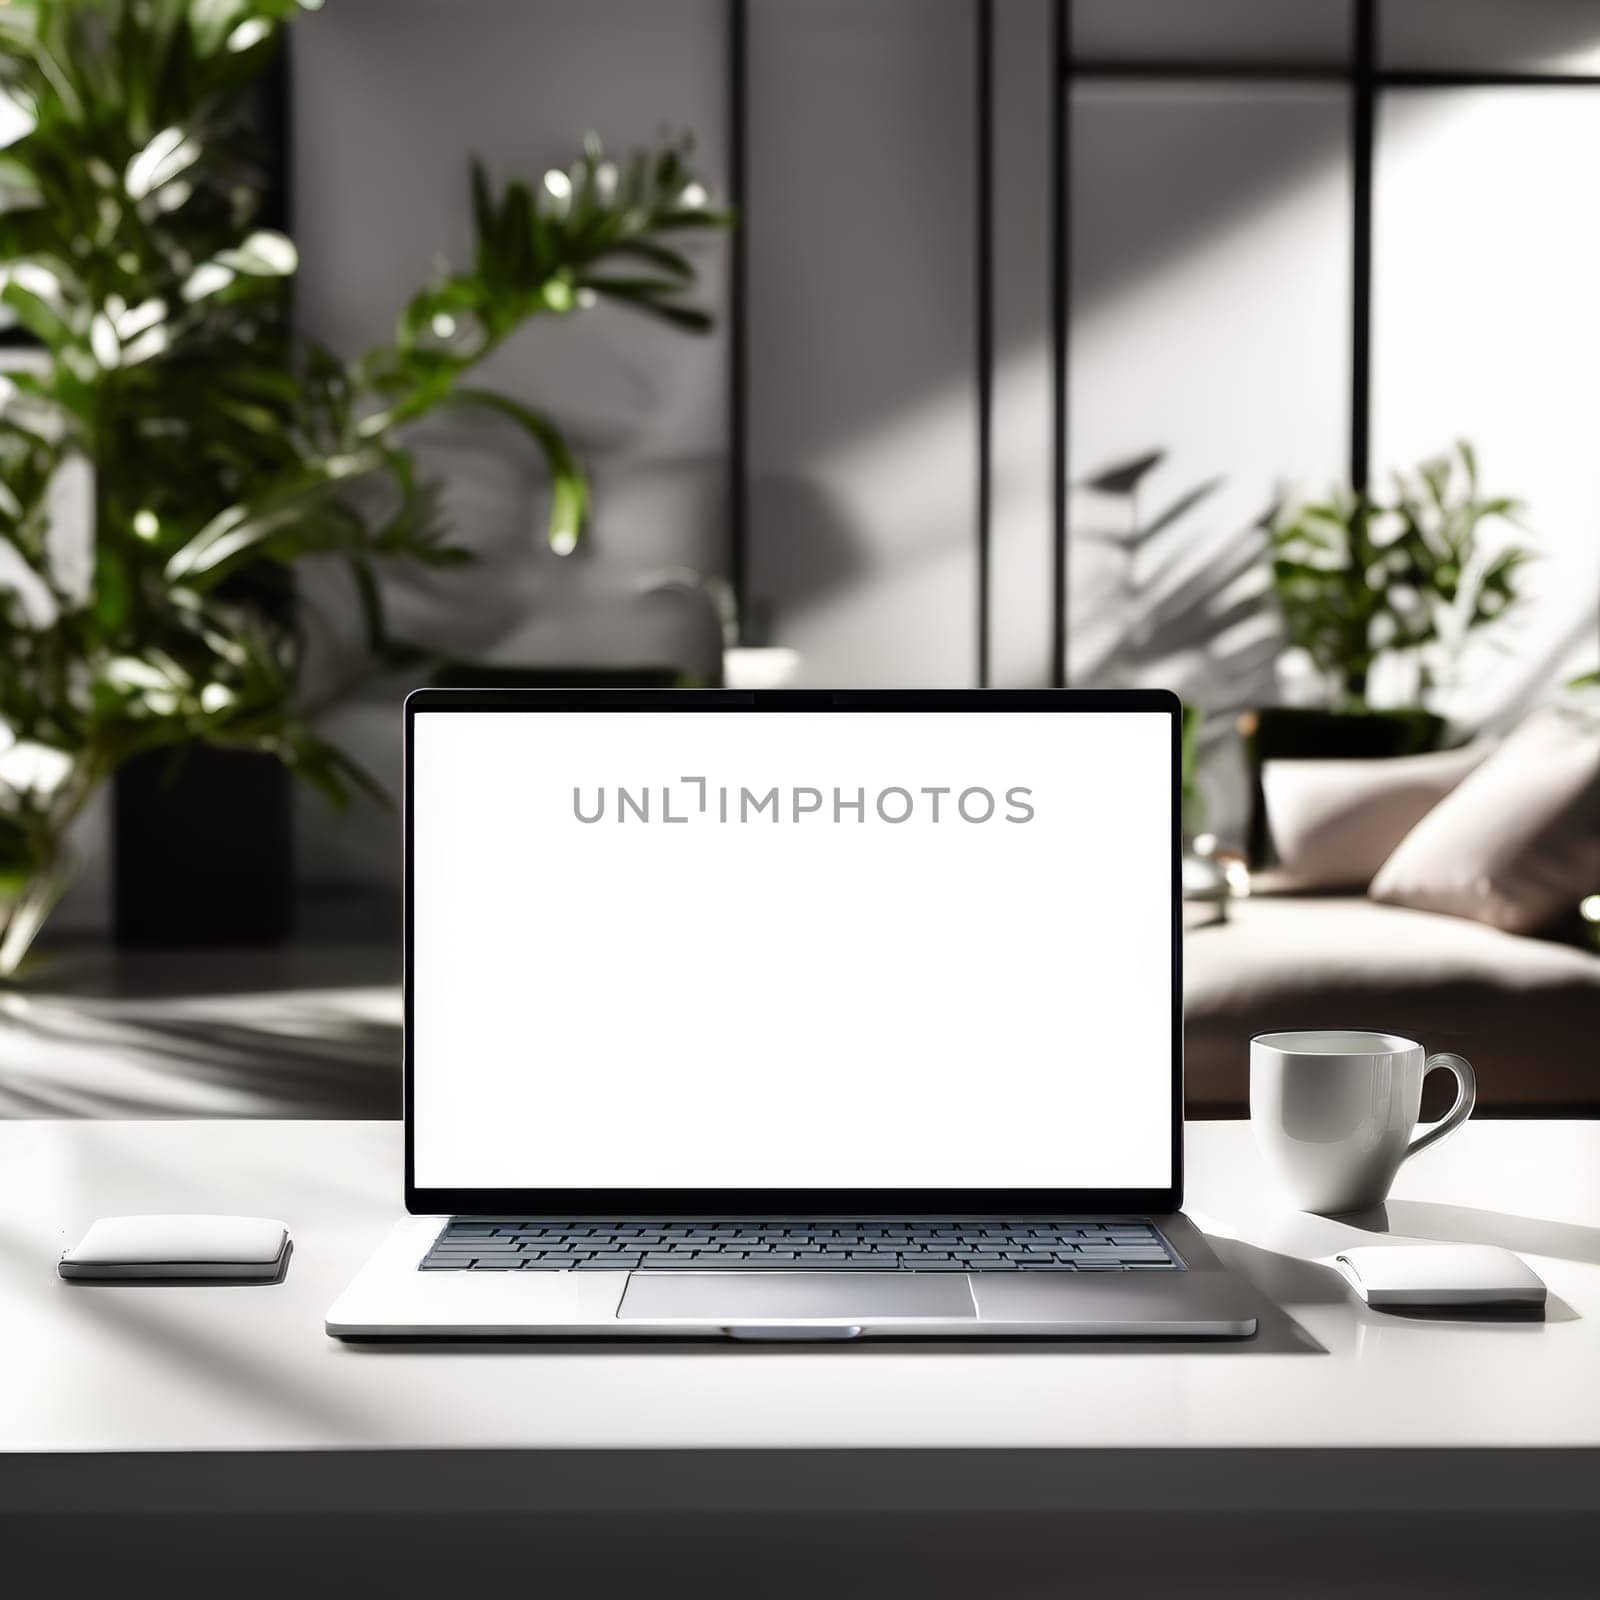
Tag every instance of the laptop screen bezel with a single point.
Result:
(1066, 1201)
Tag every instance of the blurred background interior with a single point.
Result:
(1244, 347)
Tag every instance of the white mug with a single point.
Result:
(1334, 1110)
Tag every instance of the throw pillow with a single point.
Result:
(1517, 843)
(1334, 823)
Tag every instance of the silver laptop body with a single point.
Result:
(793, 1015)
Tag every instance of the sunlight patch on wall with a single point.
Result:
(1209, 373)
(1486, 327)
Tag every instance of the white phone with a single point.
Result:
(217, 1249)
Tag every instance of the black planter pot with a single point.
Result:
(1299, 733)
(204, 846)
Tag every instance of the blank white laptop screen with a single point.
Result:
(792, 949)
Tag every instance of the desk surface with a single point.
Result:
(202, 1370)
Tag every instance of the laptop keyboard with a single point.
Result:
(518, 1244)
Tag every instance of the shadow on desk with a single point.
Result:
(285, 1055)
(309, 1029)
(1423, 1219)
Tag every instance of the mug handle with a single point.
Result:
(1466, 1098)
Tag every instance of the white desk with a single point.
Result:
(161, 1400)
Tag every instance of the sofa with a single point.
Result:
(1525, 1011)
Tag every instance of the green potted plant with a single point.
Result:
(1356, 578)
(224, 448)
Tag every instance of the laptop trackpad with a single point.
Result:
(734, 1298)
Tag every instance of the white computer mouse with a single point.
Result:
(1438, 1275)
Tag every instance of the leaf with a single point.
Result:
(685, 317)
(705, 221)
(266, 253)
(629, 288)
(169, 154)
(482, 201)
(37, 315)
(569, 488)
(111, 596)
(370, 599)
(242, 527)
(670, 261)
(338, 776)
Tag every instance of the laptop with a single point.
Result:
(792, 1015)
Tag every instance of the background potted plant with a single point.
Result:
(1356, 578)
(224, 448)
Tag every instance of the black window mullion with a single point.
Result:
(985, 325)
(1060, 222)
(738, 318)
(1363, 123)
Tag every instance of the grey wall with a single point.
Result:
(861, 340)
(861, 177)
(1210, 238)
(390, 100)
(1208, 308)
(1022, 568)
